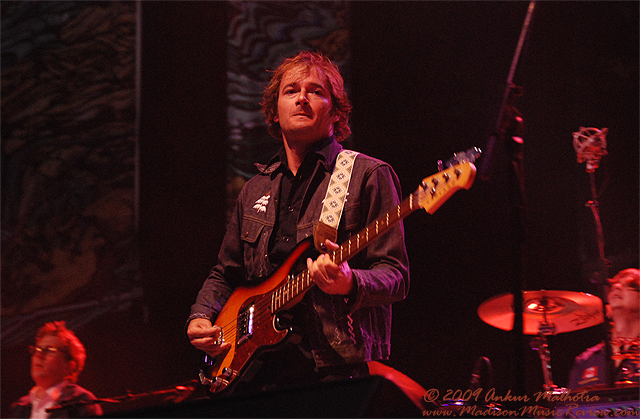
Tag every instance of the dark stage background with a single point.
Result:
(427, 80)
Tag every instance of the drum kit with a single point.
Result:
(546, 313)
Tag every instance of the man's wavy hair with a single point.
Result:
(73, 348)
(339, 100)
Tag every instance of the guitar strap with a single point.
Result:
(336, 326)
(333, 204)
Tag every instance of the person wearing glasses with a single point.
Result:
(623, 308)
(57, 358)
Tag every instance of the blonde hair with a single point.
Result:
(73, 348)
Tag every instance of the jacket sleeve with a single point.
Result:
(381, 270)
(224, 276)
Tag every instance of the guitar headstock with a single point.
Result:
(460, 173)
(471, 155)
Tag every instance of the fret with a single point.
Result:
(284, 292)
(363, 238)
(274, 301)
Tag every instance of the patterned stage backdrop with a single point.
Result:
(261, 34)
(69, 118)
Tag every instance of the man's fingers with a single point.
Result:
(204, 332)
(331, 245)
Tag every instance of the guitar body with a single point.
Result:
(250, 323)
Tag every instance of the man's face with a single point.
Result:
(49, 368)
(305, 111)
(623, 296)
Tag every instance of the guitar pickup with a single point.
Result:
(245, 324)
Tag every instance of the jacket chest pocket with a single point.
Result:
(353, 220)
(255, 249)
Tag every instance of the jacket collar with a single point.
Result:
(328, 150)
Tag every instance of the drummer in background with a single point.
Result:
(623, 301)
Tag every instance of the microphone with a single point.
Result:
(590, 145)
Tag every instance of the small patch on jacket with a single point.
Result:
(261, 204)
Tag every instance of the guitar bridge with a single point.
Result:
(245, 324)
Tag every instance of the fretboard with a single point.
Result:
(297, 285)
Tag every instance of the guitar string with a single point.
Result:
(264, 301)
(267, 299)
(261, 306)
(362, 240)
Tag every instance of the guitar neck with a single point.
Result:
(374, 230)
(303, 282)
(431, 194)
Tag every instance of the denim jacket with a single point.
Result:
(352, 329)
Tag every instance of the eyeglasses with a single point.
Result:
(46, 350)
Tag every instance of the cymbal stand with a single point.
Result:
(539, 343)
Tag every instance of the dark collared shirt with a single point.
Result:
(290, 201)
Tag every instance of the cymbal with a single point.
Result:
(550, 312)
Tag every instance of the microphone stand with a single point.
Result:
(509, 124)
(601, 278)
(590, 145)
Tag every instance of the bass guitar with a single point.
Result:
(250, 317)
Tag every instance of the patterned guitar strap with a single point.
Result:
(333, 206)
(340, 336)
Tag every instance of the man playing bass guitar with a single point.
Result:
(345, 321)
